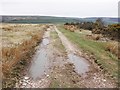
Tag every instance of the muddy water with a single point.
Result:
(81, 65)
(38, 72)
(45, 41)
(40, 62)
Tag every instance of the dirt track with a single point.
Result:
(59, 68)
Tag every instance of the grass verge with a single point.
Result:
(57, 42)
(106, 60)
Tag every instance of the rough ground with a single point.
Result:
(59, 64)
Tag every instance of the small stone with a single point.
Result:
(21, 82)
(24, 84)
(26, 78)
(27, 81)
(47, 75)
(94, 77)
(104, 80)
(40, 81)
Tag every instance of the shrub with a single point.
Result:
(94, 36)
(8, 28)
(112, 47)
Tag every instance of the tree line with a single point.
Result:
(98, 27)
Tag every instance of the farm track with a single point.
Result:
(50, 65)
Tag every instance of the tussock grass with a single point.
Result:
(18, 43)
(112, 47)
(71, 28)
(94, 36)
(57, 42)
(7, 28)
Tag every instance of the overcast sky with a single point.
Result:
(70, 8)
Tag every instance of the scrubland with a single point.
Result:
(17, 45)
(19, 41)
(102, 49)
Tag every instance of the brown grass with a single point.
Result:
(94, 36)
(112, 47)
(71, 28)
(7, 27)
(18, 42)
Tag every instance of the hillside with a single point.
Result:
(50, 19)
(38, 19)
(107, 20)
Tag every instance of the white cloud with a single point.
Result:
(59, 0)
(79, 8)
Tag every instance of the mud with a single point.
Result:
(90, 75)
(40, 64)
(81, 65)
(37, 74)
(53, 67)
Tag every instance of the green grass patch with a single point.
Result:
(57, 42)
(105, 59)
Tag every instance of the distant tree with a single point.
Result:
(66, 24)
(86, 25)
(72, 23)
(99, 23)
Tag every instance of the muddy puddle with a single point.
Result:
(40, 64)
(81, 65)
(38, 71)
(45, 41)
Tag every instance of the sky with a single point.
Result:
(63, 8)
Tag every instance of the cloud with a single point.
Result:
(77, 8)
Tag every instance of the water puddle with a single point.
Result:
(81, 65)
(40, 64)
(38, 72)
(45, 41)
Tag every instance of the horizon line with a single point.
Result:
(64, 16)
